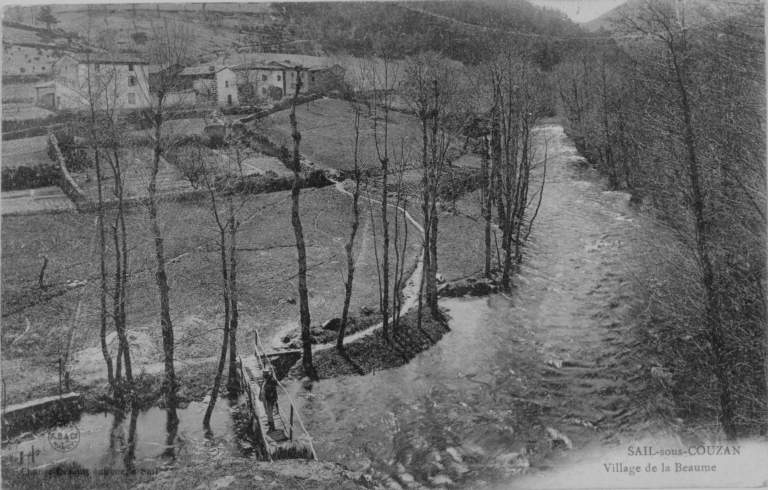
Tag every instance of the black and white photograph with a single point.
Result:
(384, 245)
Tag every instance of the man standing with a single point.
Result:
(269, 396)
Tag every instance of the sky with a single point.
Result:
(580, 10)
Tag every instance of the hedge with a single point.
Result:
(23, 177)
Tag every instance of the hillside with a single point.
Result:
(632, 7)
(460, 29)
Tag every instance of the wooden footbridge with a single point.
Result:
(284, 442)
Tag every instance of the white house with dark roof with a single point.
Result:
(265, 70)
(215, 83)
(115, 81)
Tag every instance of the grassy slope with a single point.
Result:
(267, 270)
(214, 30)
(328, 134)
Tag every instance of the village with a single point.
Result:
(378, 244)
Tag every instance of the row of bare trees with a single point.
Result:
(509, 96)
(678, 118)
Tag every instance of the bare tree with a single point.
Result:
(306, 341)
(353, 85)
(434, 91)
(171, 45)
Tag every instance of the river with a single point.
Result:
(519, 379)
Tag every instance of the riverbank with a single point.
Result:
(375, 353)
(229, 473)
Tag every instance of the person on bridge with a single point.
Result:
(269, 396)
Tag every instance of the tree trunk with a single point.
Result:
(233, 386)
(306, 342)
(161, 276)
(41, 279)
(225, 282)
(351, 243)
(102, 267)
(721, 365)
(485, 206)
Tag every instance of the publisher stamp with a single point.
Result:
(64, 438)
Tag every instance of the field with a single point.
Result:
(327, 134)
(27, 151)
(214, 29)
(37, 323)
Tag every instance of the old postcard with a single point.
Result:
(470, 244)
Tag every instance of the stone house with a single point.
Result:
(217, 84)
(120, 81)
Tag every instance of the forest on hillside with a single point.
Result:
(461, 30)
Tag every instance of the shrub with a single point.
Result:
(23, 177)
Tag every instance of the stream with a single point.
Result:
(519, 379)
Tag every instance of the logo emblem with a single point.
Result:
(64, 438)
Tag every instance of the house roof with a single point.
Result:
(265, 58)
(247, 66)
(201, 70)
(120, 58)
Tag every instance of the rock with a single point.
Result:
(291, 301)
(440, 480)
(257, 478)
(439, 278)
(334, 324)
(286, 339)
(558, 438)
(295, 345)
(466, 287)
(393, 485)
(455, 454)
(367, 311)
(222, 482)
(407, 478)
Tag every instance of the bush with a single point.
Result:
(269, 182)
(24, 177)
(75, 156)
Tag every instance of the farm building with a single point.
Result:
(120, 82)
(213, 83)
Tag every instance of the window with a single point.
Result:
(130, 66)
(263, 78)
(313, 78)
(278, 78)
(131, 81)
(131, 99)
(293, 85)
(226, 83)
(293, 75)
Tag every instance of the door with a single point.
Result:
(229, 99)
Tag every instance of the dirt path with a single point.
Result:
(410, 291)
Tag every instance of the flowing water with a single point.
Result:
(519, 379)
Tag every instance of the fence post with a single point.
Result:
(59, 378)
(291, 431)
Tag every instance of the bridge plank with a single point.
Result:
(278, 439)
